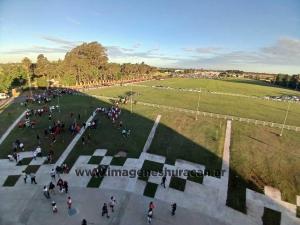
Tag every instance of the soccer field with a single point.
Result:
(237, 86)
(253, 108)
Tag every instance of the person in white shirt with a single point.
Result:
(38, 151)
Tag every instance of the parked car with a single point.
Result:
(3, 96)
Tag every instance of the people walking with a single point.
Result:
(51, 188)
(112, 203)
(163, 181)
(25, 177)
(105, 210)
(54, 207)
(46, 192)
(52, 174)
(84, 222)
(32, 178)
(69, 202)
(66, 187)
(149, 216)
(151, 206)
(174, 206)
(60, 184)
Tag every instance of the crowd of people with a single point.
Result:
(114, 113)
(48, 95)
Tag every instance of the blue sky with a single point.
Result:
(257, 35)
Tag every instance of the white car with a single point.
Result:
(3, 96)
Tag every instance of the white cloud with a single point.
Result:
(137, 45)
(285, 53)
(72, 20)
(56, 40)
(203, 50)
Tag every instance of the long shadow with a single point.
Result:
(167, 141)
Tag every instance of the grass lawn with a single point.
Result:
(118, 161)
(32, 169)
(95, 160)
(229, 105)
(271, 217)
(260, 157)
(9, 114)
(195, 177)
(148, 167)
(177, 183)
(150, 189)
(95, 182)
(82, 105)
(180, 136)
(11, 180)
(230, 85)
(24, 161)
(109, 136)
(177, 136)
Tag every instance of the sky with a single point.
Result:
(256, 35)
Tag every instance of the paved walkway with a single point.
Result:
(225, 165)
(34, 209)
(11, 127)
(151, 135)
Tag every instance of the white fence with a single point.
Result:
(214, 115)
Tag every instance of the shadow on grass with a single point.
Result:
(167, 142)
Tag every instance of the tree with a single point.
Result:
(85, 61)
(85, 64)
(29, 70)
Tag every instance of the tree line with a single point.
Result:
(86, 64)
(288, 81)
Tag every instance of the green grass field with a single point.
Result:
(77, 104)
(260, 157)
(238, 86)
(178, 136)
(229, 105)
(9, 114)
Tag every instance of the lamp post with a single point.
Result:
(286, 115)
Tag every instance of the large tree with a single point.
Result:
(85, 62)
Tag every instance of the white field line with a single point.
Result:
(11, 127)
(67, 151)
(151, 135)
